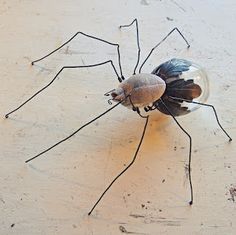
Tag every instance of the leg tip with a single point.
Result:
(6, 116)
(188, 46)
(230, 139)
(191, 203)
(32, 63)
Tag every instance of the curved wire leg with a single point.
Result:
(138, 43)
(207, 105)
(65, 67)
(135, 155)
(75, 132)
(190, 152)
(175, 29)
(92, 37)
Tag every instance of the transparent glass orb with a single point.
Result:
(198, 74)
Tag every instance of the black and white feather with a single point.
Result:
(176, 86)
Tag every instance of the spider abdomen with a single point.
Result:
(184, 80)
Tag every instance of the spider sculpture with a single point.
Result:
(169, 88)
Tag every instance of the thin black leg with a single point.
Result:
(190, 152)
(136, 109)
(135, 155)
(65, 67)
(207, 105)
(138, 43)
(89, 36)
(75, 132)
(175, 29)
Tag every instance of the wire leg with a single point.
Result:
(135, 155)
(138, 43)
(190, 152)
(65, 67)
(89, 36)
(175, 29)
(207, 105)
(75, 132)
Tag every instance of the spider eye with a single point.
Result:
(113, 94)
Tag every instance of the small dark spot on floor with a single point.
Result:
(122, 229)
(232, 191)
(124, 199)
(137, 216)
(186, 169)
(170, 19)
(144, 2)
(144, 206)
(12, 225)
(227, 165)
(2, 200)
(175, 148)
(67, 50)
(163, 181)
(226, 87)
(74, 226)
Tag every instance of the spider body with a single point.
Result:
(167, 80)
(143, 89)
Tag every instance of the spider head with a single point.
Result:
(118, 94)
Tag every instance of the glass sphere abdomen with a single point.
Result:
(199, 76)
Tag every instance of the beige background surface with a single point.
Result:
(53, 194)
